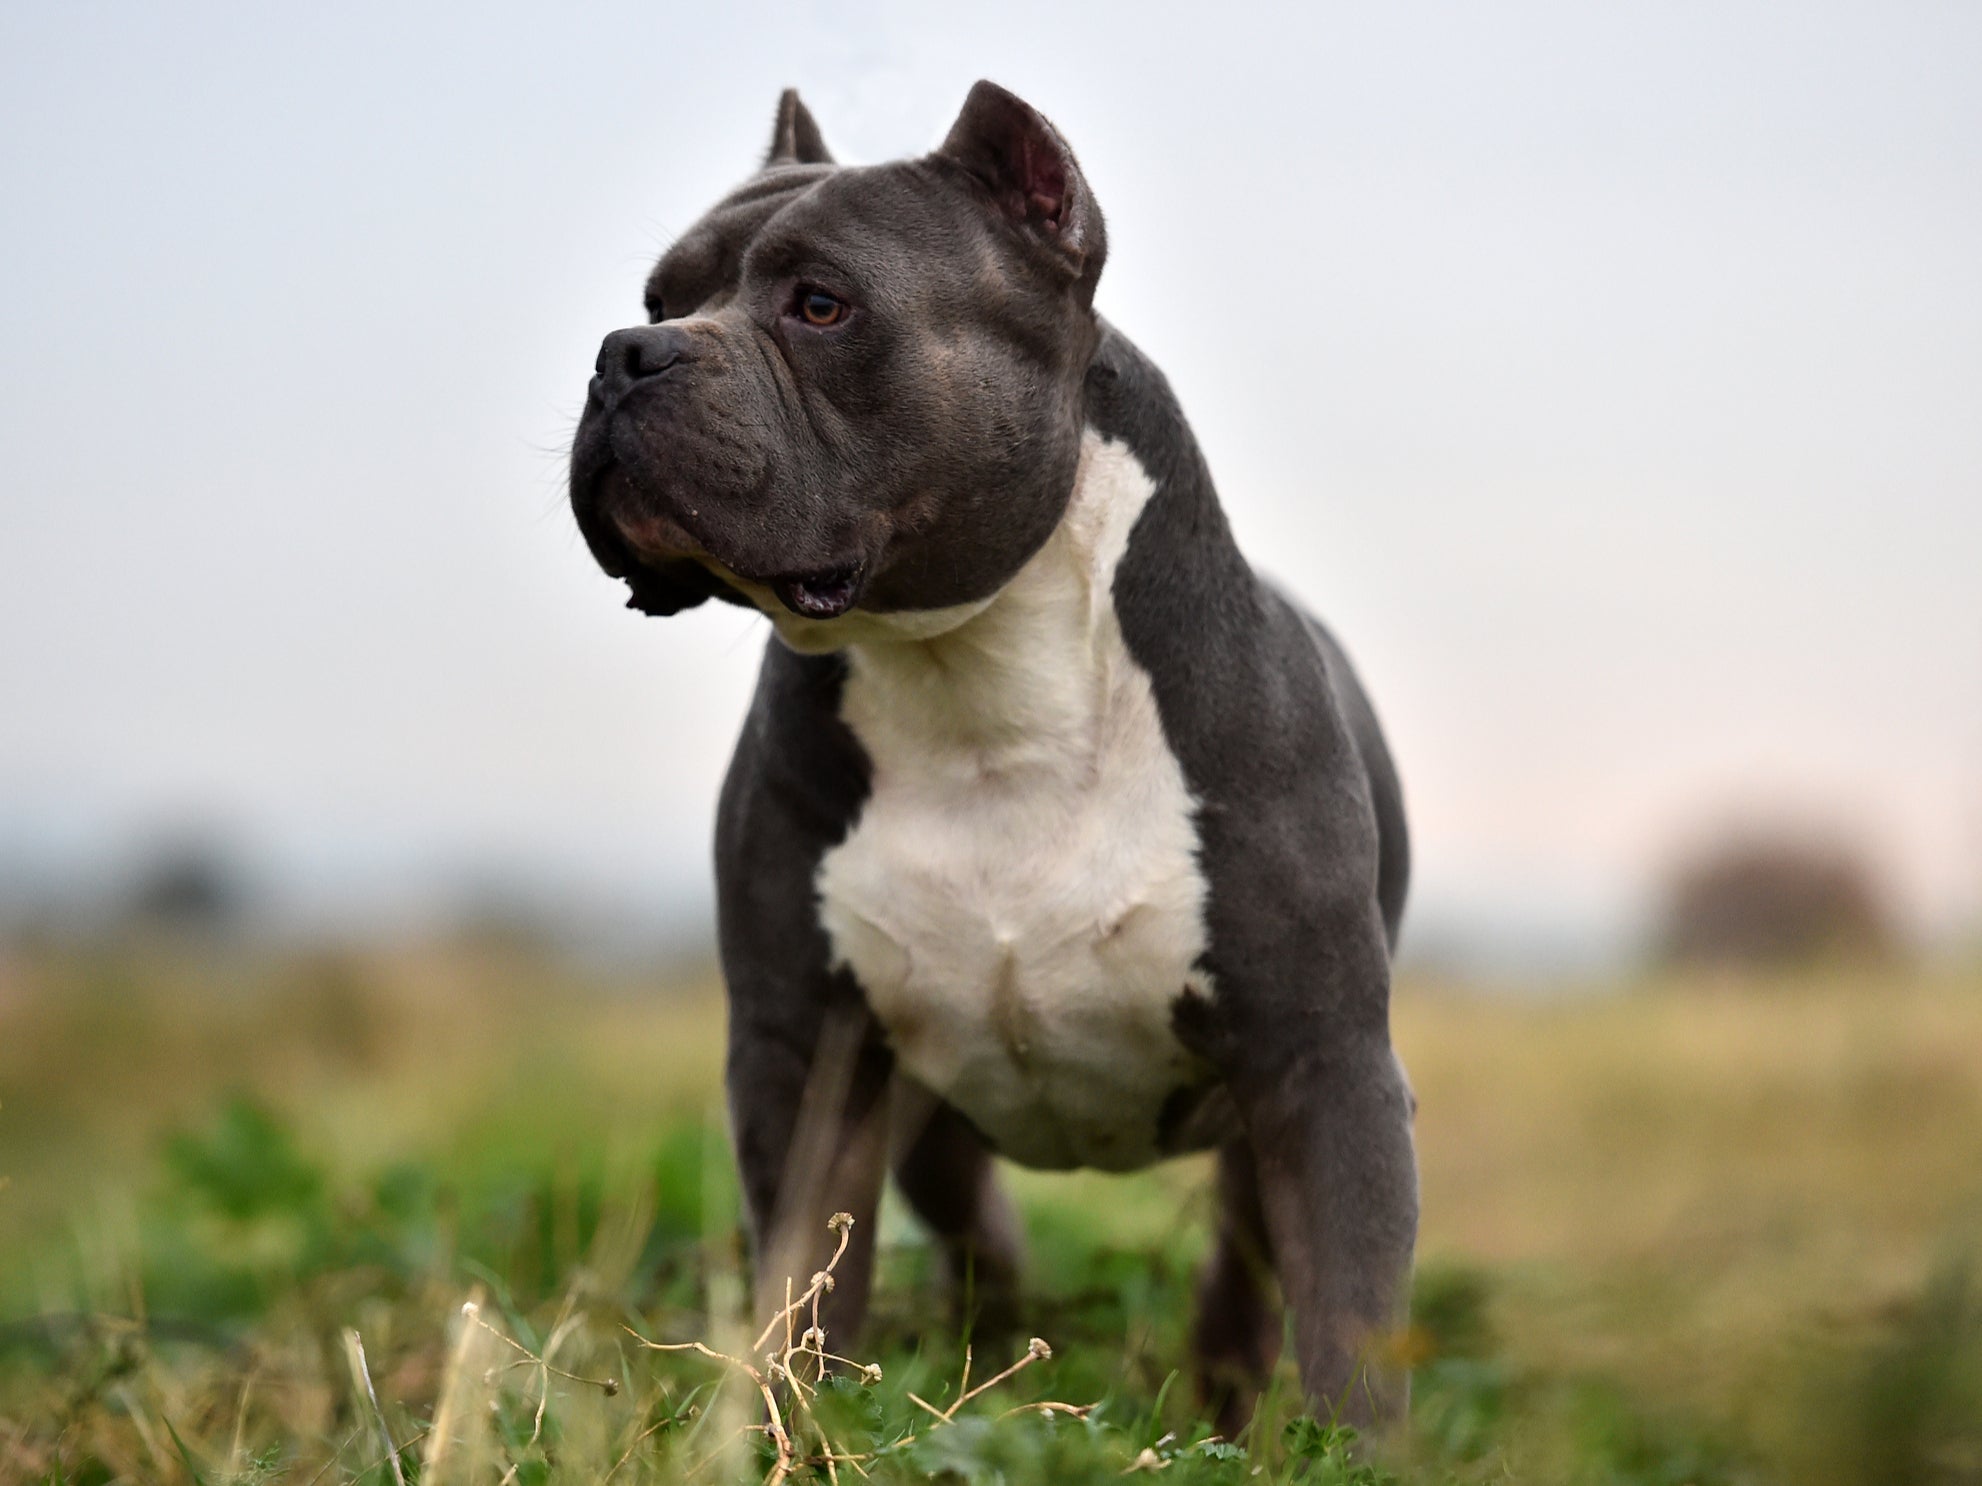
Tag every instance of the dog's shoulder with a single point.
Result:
(1261, 705)
(798, 776)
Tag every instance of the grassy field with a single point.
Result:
(1673, 1232)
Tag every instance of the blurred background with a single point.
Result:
(1608, 377)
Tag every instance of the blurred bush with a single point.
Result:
(1777, 898)
(188, 884)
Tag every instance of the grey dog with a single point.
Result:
(1054, 831)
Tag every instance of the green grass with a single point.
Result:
(1680, 1232)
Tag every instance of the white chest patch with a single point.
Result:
(1020, 897)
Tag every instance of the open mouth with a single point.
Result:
(822, 595)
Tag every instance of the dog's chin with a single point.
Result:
(816, 609)
(865, 627)
(660, 540)
(825, 594)
(812, 612)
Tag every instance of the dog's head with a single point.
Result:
(859, 393)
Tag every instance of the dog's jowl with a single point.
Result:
(1054, 831)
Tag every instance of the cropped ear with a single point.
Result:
(1009, 148)
(795, 138)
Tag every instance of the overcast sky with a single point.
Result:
(1609, 376)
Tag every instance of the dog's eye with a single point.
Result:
(817, 307)
(656, 311)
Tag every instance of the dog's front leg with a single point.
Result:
(807, 1072)
(809, 1118)
(1331, 1139)
(1326, 1116)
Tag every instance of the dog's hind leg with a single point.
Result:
(1237, 1337)
(946, 1172)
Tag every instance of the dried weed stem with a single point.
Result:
(785, 1366)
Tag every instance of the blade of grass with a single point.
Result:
(354, 1352)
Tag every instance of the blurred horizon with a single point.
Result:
(1606, 380)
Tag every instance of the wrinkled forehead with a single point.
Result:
(901, 213)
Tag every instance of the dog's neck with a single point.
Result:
(1033, 675)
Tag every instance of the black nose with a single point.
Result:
(635, 354)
